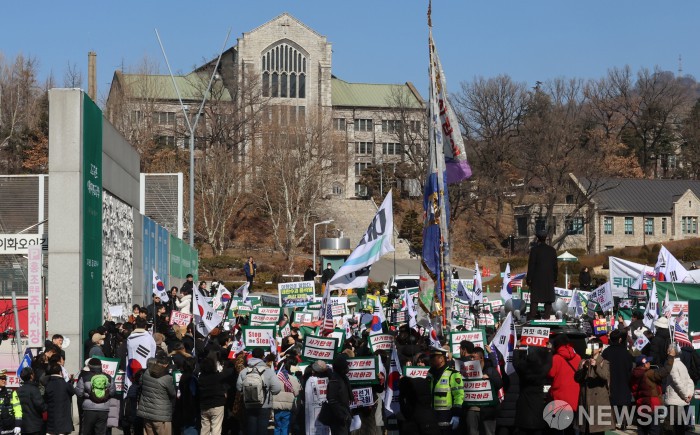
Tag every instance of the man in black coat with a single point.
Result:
(621, 365)
(33, 405)
(339, 396)
(542, 273)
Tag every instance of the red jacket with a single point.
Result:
(565, 362)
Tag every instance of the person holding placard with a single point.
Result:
(481, 415)
(447, 389)
(594, 377)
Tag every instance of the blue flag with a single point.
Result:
(26, 361)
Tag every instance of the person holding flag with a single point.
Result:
(542, 271)
(283, 402)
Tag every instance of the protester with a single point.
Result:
(339, 395)
(565, 363)
(258, 383)
(593, 376)
(584, 279)
(157, 394)
(58, 395)
(481, 417)
(327, 274)
(212, 387)
(621, 363)
(532, 366)
(679, 393)
(183, 304)
(646, 384)
(188, 285)
(661, 341)
(315, 389)
(33, 404)
(309, 273)
(97, 342)
(542, 273)
(284, 402)
(250, 269)
(95, 388)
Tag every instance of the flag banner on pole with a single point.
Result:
(140, 346)
(668, 268)
(26, 361)
(391, 394)
(651, 313)
(478, 284)
(603, 296)
(505, 290)
(505, 340)
(205, 318)
(376, 242)
(221, 297)
(626, 274)
(378, 319)
(450, 137)
(680, 330)
(410, 310)
(159, 288)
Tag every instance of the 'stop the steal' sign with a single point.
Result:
(534, 336)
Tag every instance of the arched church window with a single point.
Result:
(284, 72)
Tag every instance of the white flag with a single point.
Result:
(391, 394)
(669, 269)
(410, 310)
(376, 242)
(222, 296)
(478, 285)
(159, 288)
(505, 294)
(667, 306)
(273, 344)
(434, 342)
(462, 292)
(504, 341)
(651, 313)
(575, 303)
(205, 318)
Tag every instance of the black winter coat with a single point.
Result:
(213, 388)
(416, 403)
(506, 414)
(33, 406)
(532, 372)
(59, 397)
(621, 364)
(339, 396)
(542, 273)
(659, 345)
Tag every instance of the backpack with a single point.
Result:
(99, 393)
(254, 389)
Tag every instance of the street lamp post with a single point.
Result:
(318, 223)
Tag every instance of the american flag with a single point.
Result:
(283, 376)
(680, 331)
(516, 281)
(327, 325)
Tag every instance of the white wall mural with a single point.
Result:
(118, 255)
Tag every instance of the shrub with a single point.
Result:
(221, 262)
(515, 263)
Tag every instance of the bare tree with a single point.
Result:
(292, 172)
(20, 111)
(73, 77)
(490, 112)
(652, 105)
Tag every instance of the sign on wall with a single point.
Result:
(35, 300)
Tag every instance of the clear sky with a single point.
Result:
(378, 41)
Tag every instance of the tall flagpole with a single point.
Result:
(444, 278)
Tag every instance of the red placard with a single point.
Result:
(534, 336)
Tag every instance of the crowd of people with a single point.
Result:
(178, 380)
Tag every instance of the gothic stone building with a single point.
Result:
(293, 65)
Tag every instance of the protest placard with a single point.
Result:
(469, 369)
(295, 294)
(338, 310)
(119, 381)
(485, 319)
(257, 336)
(415, 371)
(340, 335)
(303, 317)
(600, 326)
(319, 348)
(179, 318)
(363, 370)
(478, 392)
(476, 336)
(534, 336)
(380, 342)
(263, 319)
(460, 309)
(109, 365)
(626, 303)
(362, 397)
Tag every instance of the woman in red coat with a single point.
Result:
(565, 362)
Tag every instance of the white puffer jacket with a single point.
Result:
(184, 304)
(680, 385)
(284, 400)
